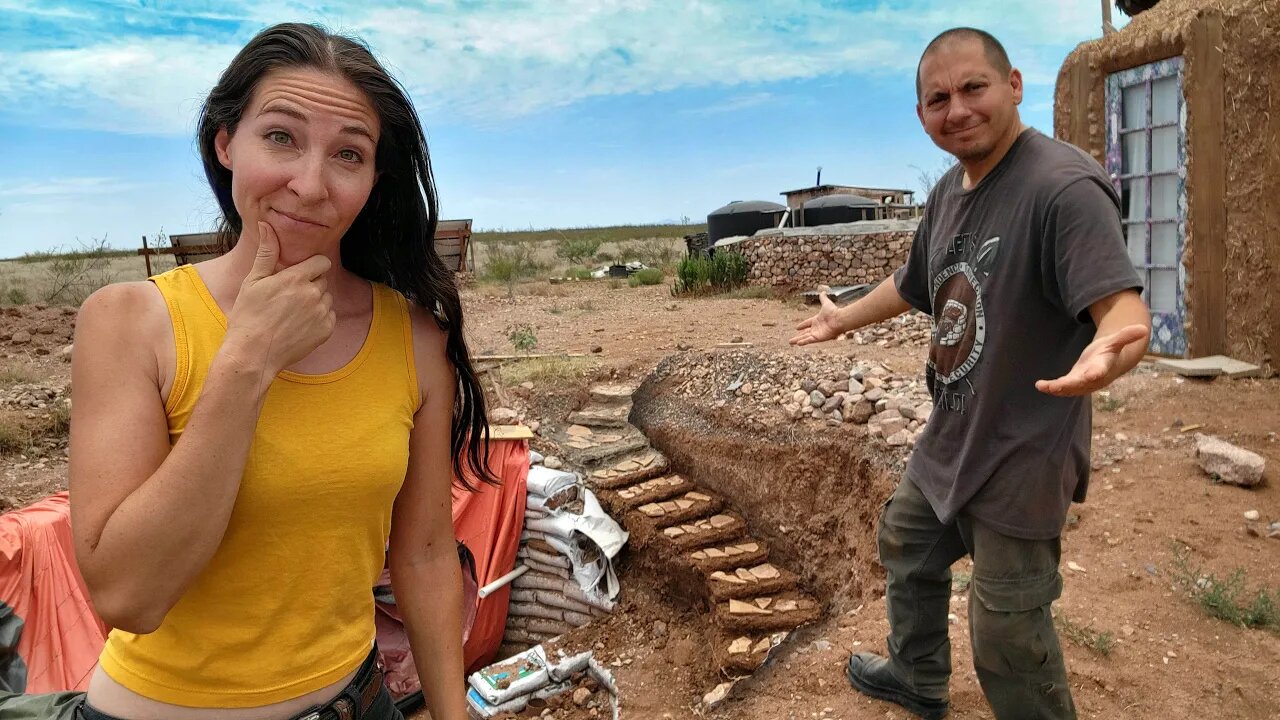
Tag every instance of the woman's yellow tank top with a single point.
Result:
(285, 607)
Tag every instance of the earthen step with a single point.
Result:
(744, 552)
(593, 450)
(780, 611)
(651, 490)
(744, 652)
(597, 416)
(612, 394)
(754, 581)
(691, 506)
(715, 530)
(629, 469)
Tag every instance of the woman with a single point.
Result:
(251, 429)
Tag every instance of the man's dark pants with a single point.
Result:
(1015, 647)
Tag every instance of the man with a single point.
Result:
(1021, 260)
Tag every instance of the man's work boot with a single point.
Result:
(869, 674)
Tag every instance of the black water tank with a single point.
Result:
(743, 218)
(843, 208)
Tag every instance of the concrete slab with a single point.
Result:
(1211, 366)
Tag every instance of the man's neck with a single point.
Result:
(975, 171)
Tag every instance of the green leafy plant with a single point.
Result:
(1228, 598)
(1085, 636)
(698, 275)
(647, 276)
(522, 337)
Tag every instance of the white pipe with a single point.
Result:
(489, 589)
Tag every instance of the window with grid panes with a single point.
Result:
(1150, 185)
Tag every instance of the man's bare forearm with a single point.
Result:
(880, 304)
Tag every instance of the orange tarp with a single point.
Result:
(489, 523)
(62, 635)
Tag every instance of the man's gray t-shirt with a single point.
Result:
(1008, 271)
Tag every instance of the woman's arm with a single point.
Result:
(424, 557)
(147, 519)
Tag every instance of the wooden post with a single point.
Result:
(1081, 93)
(1107, 27)
(1207, 198)
(1271, 234)
(146, 256)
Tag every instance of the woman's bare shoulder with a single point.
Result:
(123, 312)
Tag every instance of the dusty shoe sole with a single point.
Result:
(924, 707)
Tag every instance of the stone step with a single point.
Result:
(715, 530)
(602, 416)
(630, 469)
(612, 394)
(753, 581)
(765, 613)
(656, 489)
(689, 507)
(744, 652)
(743, 552)
(589, 449)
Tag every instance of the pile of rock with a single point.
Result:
(844, 254)
(819, 388)
(893, 408)
(31, 396)
(911, 330)
(35, 329)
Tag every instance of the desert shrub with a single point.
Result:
(647, 276)
(578, 249)
(699, 275)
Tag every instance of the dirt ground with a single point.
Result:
(1148, 499)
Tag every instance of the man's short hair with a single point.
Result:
(995, 52)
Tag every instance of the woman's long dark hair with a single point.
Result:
(392, 239)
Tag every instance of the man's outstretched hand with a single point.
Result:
(821, 327)
(1094, 370)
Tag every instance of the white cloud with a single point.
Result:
(151, 85)
(734, 104)
(62, 13)
(65, 187)
(509, 59)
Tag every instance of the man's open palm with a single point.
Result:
(1092, 371)
(821, 327)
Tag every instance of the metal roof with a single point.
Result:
(748, 206)
(848, 187)
(839, 200)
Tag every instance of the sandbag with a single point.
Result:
(544, 482)
(548, 569)
(553, 560)
(558, 600)
(516, 609)
(511, 678)
(576, 619)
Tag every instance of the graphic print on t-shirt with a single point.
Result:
(960, 321)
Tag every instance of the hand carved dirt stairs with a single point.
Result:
(691, 535)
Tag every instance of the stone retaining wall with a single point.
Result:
(844, 254)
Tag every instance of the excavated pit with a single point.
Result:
(750, 526)
(745, 527)
(810, 494)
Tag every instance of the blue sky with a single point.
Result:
(540, 113)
